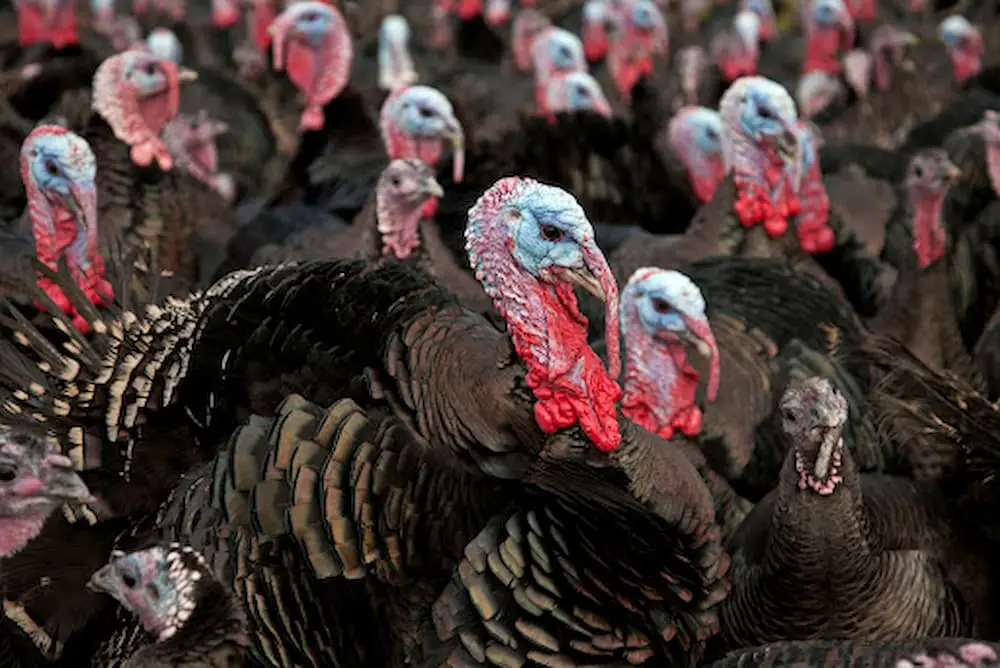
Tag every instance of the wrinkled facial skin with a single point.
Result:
(931, 173)
(410, 182)
(34, 480)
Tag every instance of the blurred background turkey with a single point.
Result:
(500, 333)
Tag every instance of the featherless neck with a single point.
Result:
(929, 238)
(16, 532)
(569, 381)
(398, 226)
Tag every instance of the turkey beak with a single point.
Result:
(788, 148)
(583, 278)
(102, 580)
(61, 482)
(691, 340)
(952, 173)
(81, 202)
(431, 188)
(185, 75)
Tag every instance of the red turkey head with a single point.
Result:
(58, 169)
(395, 66)
(416, 122)
(528, 24)
(928, 180)
(765, 11)
(695, 137)
(965, 46)
(888, 47)
(225, 13)
(529, 244)
(163, 43)
(760, 144)
(160, 585)
(858, 65)
(312, 38)
(813, 414)
(555, 51)
(403, 189)
(190, 138)
(735, 50)
(670, 352)
(640, 35)
(596, 15)
(47, 22)
(34, 482)
(816, 91)
(692, 61)
(136, 94)
(497, 12)
(466, 9)
(576, 91)
(829, 31)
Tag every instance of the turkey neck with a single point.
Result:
(811, 534)
(372, 246)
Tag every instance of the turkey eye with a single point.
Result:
(918, 171)
(552, 233)
(150, 69)
(51, 169)
(661, 305)
(394, 182)
(128, 581)
(712, 135)
(425, 112)
(309, 18)
(7, 473)
(788, 416)
(765, 113)
(153, 591)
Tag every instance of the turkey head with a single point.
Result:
(528, 25)
(311, 41)
(163, 43)
(670, 352)
(692, 62)
(735, 51)
(225, 13)
(813, 414)
(928, 179)
(760, 144)
(137, 94)
(415, 122)
(888, 47)
(34, 481)
(764, 9)
(190, 138)
(595, 29)
(829, 30)
(965, 46)
(395, 65)
(497, 12)
(640, 35)
(573, 92)
(695, 137)
(59, 170)
(168, 587)
(529, 244)
(402, 190)
(816, 91)
(47, 22)
(554, 51)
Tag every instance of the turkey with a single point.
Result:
(924, 652)
(893, 566)
(920, 311)
(183, 616)
(391, 339)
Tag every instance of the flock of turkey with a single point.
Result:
(435, 333)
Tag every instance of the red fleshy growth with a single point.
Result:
(863, 10)
(262, 16)
(754, 205)
(36, 27)
(430, 208)
(965, 63)
(812, 225)
(469, 9)
(595, 42)
(556, 382)
(929, 239)
(225, 14)
(823, 51)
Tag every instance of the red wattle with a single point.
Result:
(595, 43)
(469, 9)
(30, 24)
(263, 16)
(864, 10)
(822, 49)
(430, 208)
(225, 16)
(301, 64)
(688, 420)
